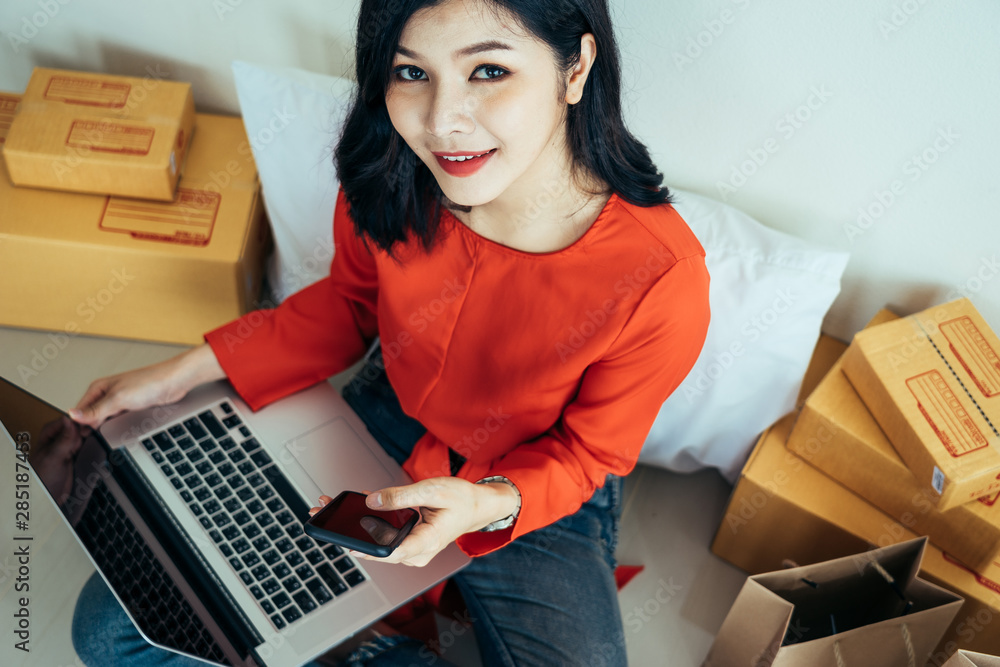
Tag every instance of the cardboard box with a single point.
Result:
(783, 510)
(133, 268)
(835, 432)
(932, 381)
(101, 134)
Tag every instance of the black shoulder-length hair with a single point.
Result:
(392, 193)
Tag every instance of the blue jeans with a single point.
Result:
(547, 598)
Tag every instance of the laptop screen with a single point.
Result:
(67, 457)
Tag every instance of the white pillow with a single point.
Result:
(715, 415)
(769, 293)
(293, 120)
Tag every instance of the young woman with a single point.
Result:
(535, 296)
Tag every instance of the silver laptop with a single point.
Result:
(193, 515)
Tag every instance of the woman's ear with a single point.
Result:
(578, 77)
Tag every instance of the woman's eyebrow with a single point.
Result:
(490, 45)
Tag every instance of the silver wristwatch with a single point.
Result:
(507, 521)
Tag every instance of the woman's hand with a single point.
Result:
(449, 507)
(159, 384)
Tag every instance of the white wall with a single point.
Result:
(709, 85)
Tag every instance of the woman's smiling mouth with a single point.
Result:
(463, 164)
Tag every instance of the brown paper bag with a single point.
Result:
(970, 659)
(867, 610)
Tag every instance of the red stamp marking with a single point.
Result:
(8, 107)
(110, 137)
(189, 219)
(975, 353)
(988, 583)
(88, 92)
(988, 500)
(947, 417)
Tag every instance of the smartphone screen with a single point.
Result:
(349, 522)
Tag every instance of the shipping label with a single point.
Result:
(189, 219)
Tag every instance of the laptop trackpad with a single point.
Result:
(336, 459)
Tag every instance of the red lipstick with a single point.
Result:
(466, 167)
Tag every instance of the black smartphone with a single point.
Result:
(348, 522)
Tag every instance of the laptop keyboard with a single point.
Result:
(252, 514)
(140, 580)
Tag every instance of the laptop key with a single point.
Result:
(236, 456)
(184, 469)
(228, 409)
(284, 489)
(267, 606)
(204, 467)
(318, 590)
(148, 444)
(163, 441)
(196, 508)
(226, 550)
(223, 492)
(192, 481)
(281, 570)
(255, 507)
(235, 562)
(261, 544)
(221, 519)
(186, 496)
(250, 445)
(303, 572)
(242, 517)
(278, 621)
(231, 421)
(291, 614)
(195, 455)
(207, 445)
(177, 431)
(231, 532)
(264, 520)
(257, 593)
(236, 481)
(332, 551)
(245, 431)
(285, 518)
(212, 424)
(261, 573)
(260, 458)
(295, 559)
(315, 557)
(305, 601)
(247, 468)
(174, 456)
(167, 470)
(271, 586)
(331, 579)
(284, 545)
(274, 532)
(265, 492)
(343, 565)
(251, 559)
(244, 493)
(255, 480)
(216, 537)
(194, 428)
(271, 557)
(226, 469)
(294, 530)
(354, 577)
(205, 523)
(305, 543)
(226, 444)
(232, 505)
(202, 492)
(247, 579)
(281, 600)
(158, 457)
(212, 506)
(275, 505)
(185, 443)
(217, 457)
(291, 584)
(241, 545)
(214, 479)
(251, 531)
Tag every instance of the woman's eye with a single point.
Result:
(408, 73)
(491, 72)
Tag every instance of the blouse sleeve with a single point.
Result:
(315, 333)
(602, 430)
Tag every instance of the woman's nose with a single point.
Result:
(451, 110)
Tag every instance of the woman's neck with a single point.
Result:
(541, 214)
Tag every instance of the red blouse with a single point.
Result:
(546, 368)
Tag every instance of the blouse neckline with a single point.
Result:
(583, 240)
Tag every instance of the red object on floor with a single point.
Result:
(625, 573)
(416, 619)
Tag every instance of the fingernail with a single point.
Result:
(375, 500)
(75, 414)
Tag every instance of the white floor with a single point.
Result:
(670, 611)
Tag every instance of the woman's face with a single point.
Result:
(467, 84)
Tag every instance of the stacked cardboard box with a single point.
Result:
(785, 510)
(108, 265)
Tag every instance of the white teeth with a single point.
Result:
(462, 158)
